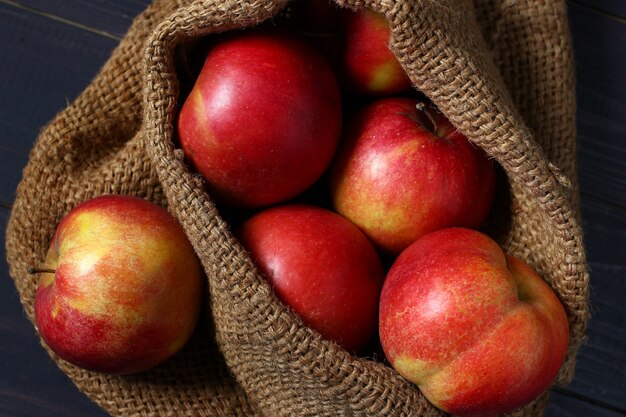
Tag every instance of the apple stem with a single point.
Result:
(422, 107)
(33, 270)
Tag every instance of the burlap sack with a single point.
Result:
(500, 70)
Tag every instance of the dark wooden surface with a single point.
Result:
(49, 51)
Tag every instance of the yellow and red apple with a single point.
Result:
(121, 287)
(404, 170)
(320, 265)
(477, 330)
(367, 64)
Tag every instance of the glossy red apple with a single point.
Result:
(405, 171)
(121, 287)
(320, 265)
(477, 330)
(368, 65)
(263, 119)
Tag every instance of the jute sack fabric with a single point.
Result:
(500, 70)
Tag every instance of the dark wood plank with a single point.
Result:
(601, 95)
(605, 232)
(108, 17)
(563, 405)
(614, 8)
(599, 42)
(601, 370)
(43, 65)
(31, 385)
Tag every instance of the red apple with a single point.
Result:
(121, 287)
(369, 66)
(404, 172)
(477, 330)
(320, 265)
(263, 119)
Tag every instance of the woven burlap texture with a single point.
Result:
(500, 70)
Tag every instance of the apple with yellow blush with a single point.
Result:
(477, 330)
(367, 65)
(404, 170)
(121, 287)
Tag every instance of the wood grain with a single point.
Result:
(109, 18)
(563, 405)
(601, 362)
(614, 8)
(599, 45)
(599, 42)
(604, 226)
(43, 65)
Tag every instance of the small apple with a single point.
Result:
(404, 171)
(477, 330)
(320, 265)
(121, 287)
(263, 120)
(368, 65)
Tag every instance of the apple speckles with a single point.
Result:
(387, 76)
(127, 289)
(478, 349)
(414, 370)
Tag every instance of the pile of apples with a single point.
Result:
(360, 204)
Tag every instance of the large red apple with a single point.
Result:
(405, 171)
(263, 119)
(368, 65)
(477, 330)
(320, 265)
(121, 287)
